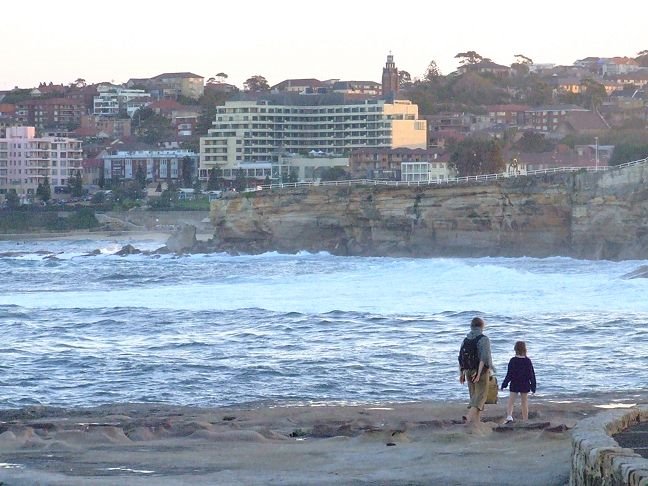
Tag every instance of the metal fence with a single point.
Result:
(453, 180)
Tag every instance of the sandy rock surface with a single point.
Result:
(417, 443)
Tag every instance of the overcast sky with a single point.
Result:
(62, 40)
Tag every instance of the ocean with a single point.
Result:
(215, 330)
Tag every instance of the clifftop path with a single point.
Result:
(602, 215)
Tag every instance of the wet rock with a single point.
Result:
(183, 239)
(93, 253)
(128, 250)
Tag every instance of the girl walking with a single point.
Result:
(521, 376)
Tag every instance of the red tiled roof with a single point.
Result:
(165, 105)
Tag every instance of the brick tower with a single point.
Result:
(390, 78)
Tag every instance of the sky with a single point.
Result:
(62, 40)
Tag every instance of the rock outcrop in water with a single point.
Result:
(585, 215)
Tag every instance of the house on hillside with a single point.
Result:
(580, 123)
(486, 67)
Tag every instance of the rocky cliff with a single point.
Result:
(585, 215)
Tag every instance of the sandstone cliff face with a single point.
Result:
(603, 215)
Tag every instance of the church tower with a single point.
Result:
(390, 78)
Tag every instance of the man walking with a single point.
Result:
(475, 367)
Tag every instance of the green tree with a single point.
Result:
(628, 152)
(214, 181)
(140, 176)
(75, 184)
(432, 73)
(44, 190)
(473, 156)
(240, 183)
(256, 83)
(13, 201)
(187, 171)
(404, 79)
(197, 186)
(470, 57)
(151, 128)
(593, 94)
(533, 142)
(642, 58)
(334, 174)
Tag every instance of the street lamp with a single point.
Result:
(596, 140)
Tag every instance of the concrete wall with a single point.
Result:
(598, 460)
(159, 220)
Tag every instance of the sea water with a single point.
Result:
(214, 329)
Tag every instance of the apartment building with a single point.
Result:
(26, 160)
(51, 112)
(261, 131)
(385, 163)
(111, 101)
(548, 118)
(171, 85)
(158, 165)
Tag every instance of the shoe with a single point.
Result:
(509, 420)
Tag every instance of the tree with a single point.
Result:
(533, 142)
(642, 58)
(187, 171)
(522, 59)
(240, 183)
(432, 73)
(470, 57)
(13, 201)
(75, 184)
(593, 94)
(214, 181)
(78, 83)
(476, 157)
(197, 186)
(256, 83)
(334, 174)
(521, 64)
(140, 176)
(404, 79)
(102, 179)
(44, 191)
(150, 127)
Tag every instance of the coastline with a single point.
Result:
(386, 443)
(160, 235)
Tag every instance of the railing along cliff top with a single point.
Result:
(453, 180)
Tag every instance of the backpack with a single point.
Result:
(469, 354)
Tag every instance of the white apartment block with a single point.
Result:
(425, 172)
(262, 131)
(25, 160)
(110, 101)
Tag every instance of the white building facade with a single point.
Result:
(425, 172)
(26, 160)
(110, 101)
(263, 131)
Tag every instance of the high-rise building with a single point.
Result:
(262, 131)
(390, 79)
(25, 160)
